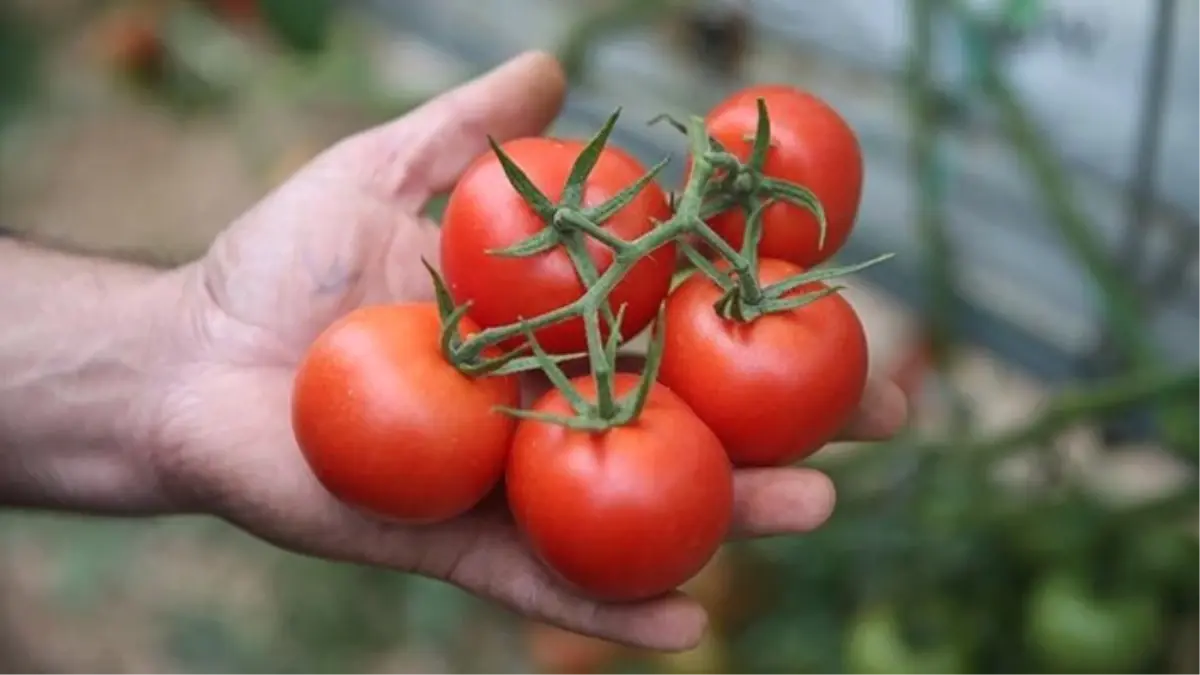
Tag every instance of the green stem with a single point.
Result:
(603, 370)
(1121, 299)
(750, 291)
(584, 224)
(682, 222)
(940, 281)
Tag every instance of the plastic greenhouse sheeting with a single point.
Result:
(1078, 70)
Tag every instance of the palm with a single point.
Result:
(343, 232)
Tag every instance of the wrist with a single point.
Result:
(81, 376)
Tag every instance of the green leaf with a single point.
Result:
(302, 25)
(555, 374)
(703, 264)
(682, 128)
(524, 364)
(445, 301)
(754, 232)
(450, 328)
(539, 243)
(779, 288)
(653, 362)
(536, 199)
(572, 195)
(800, 196)
(762, 137)
(604, 211)
(789, 304)
(614, 335)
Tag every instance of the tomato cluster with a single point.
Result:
(554, 250)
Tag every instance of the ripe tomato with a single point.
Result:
(626, 514)
(389, 426)
(812, 146)
(776, 389)
(485, 212)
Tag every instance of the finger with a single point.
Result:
(780, 501)
(882, 412)
(423, 152)
(499, 566)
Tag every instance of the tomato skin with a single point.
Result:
(773, 390)
(379, 416)
(812, 146)
(485, 212)
(627, 514)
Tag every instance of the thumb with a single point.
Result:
(423, 152)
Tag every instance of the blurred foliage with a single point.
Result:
(932, 563)
(18, 63)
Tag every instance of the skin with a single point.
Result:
(789, 382)
(485, 213)
(127, 390)
(627, 514)
(378, 412)
(812, 146)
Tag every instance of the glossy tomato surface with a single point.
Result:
(627, 514)
(389, 426)
(485, 213)
(776, 389)
(813, 146)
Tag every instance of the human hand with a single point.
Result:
(346, 231)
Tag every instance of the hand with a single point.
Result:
(345, 231)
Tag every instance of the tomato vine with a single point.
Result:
(718, 181)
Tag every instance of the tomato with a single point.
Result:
(485, 212)
(133, 44)
(625, 514)
(1072, 628)
(389, 426)
(812, 146)
(876, 643)
(775, 389)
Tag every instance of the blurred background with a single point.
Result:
(1032, 163)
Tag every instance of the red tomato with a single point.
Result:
(132, 42)
(236, 10)
(389, 426)
(485, 212)
(773, 390)
(812, 146)
(627, 514)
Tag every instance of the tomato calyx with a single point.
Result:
(745, 185)
(468, 359)
(567, 221)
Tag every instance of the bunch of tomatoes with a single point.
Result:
(554, 254)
